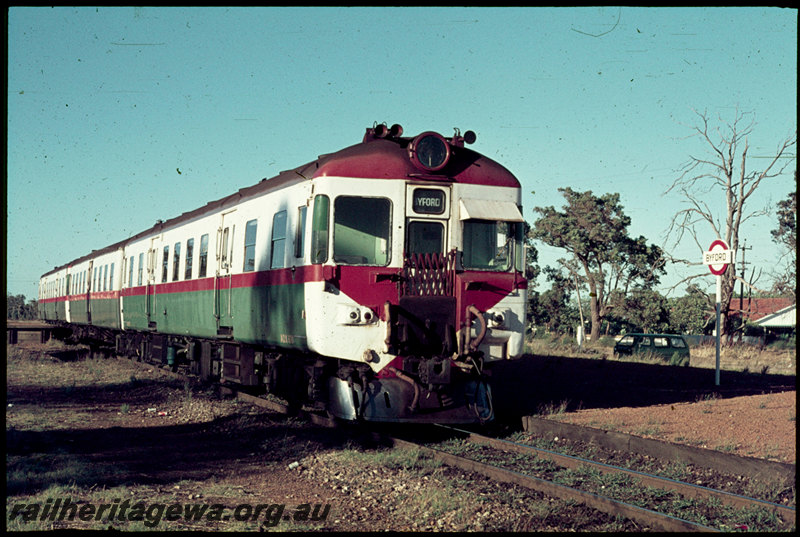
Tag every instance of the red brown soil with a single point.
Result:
(762, 426)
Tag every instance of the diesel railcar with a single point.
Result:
(379, 282)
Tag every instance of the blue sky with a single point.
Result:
(106, 105)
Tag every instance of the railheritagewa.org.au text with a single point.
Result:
(151, 515)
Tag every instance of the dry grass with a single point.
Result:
(746, 358)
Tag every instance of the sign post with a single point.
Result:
(718, 257)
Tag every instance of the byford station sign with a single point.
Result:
(718, 257)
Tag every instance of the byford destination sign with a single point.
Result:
(718, 257)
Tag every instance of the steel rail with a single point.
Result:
(640, 515)
(685, 489)
(724, 463)
(313, 417)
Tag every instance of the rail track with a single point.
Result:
(478, 448)
(510, 462)
(717, 461)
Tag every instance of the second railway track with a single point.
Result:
(717, 510)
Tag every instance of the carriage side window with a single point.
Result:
(111, 278)
(488, 245)
(165, 264)
(358, 240)
(300, 232)
(277, 253)
(176, 261)
(203, 256)
(189, 259)
(105, 277)
(130, 274)
(319, 229)
(250, 246)
(141, 269)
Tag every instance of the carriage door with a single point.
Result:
(222, 281)
(68, 293)
(88, 287)
(149, 294)
(124, 276)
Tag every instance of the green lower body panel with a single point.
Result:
(265, 315)
(105, 312)
(78, 312)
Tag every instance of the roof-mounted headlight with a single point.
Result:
(429, 151)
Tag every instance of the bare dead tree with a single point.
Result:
(724, 172)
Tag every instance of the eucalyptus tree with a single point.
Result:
(603, 257)
(786, 236)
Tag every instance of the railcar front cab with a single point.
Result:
(455, 255)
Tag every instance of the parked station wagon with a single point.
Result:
(671, 348)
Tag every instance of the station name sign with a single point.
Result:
(428, 201)
(718, 257)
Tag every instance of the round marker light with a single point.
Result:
(429, 151)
